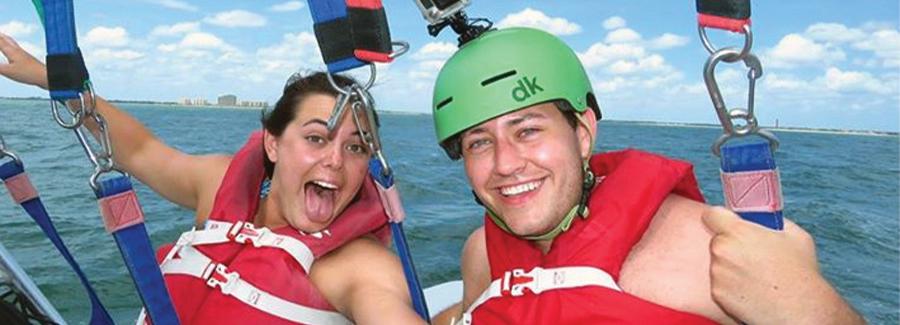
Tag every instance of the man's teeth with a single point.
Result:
(519, 189)
(325, 185)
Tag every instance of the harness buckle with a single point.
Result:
(218, 275)
(517, 280)
(244, 231)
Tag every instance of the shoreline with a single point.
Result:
(399, 112)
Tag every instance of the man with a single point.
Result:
(613, 238)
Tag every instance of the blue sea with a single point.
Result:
(842, 188)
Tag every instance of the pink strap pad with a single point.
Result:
(390, 199)
(753, 191)
(20, 188)
(120, 211)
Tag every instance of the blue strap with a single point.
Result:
(399, 237)
(35, 209)
(324, 11)
(137, 252)
(59, 30)
(752, 157)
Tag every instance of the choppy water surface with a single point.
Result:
(841, 188)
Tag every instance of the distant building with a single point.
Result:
(227, 100)
(253, 103)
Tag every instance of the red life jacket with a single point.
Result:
(575, 282)
(233, 273)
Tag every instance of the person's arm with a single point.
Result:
(179, 177)
(669, 266)
(364, 281)
(770, 277)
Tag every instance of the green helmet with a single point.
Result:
(503, 71)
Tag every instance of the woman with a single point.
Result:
(320, 202)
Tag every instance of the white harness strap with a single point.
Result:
(218, 232)
(539, 280)
(192, 262)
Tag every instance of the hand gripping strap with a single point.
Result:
(351, 33)
(751, 183)
(66, 71)
(12, 172)
(729, 15)
(137, 252)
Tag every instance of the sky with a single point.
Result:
(826, 63)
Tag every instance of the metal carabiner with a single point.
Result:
(369, 129)
(86, 105)
(5, 152)
(722, 111)
(765, 134)
(344, 90)
(340, 105)
(748, 43)
(404, 47)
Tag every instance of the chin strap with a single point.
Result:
(580, 209)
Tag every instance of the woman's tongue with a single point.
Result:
(319, 203)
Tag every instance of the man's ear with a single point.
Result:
(270, 143)
(586, 132)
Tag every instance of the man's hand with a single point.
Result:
(21, 66)
(763, 276)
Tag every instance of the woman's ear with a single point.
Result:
(270, 143)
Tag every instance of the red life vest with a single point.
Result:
(575, 282)
(233, 273)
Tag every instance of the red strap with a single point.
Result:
(365, 4)
(372, 56)
(730, 24)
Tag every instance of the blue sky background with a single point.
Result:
(827, 63)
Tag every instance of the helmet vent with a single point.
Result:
(498, 77)
(444, 102)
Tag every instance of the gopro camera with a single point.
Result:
(438, 11)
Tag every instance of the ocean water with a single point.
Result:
(841, 188)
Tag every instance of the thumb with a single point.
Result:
(719, 219)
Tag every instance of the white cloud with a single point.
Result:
(236, 18)
(175, 4)
(832, 32)
(623, 35)
(601, 54)
(850, 81)
(885, 44)
(651, 63)
(666, 41)
(102, 36)
(197, 44)
(295, 51)
(175, 29)
(794, 49)
(538, 19)
(17, 29)
(435, 51)
(614, 22)
(103, 55)
(287, 6)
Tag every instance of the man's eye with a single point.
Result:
(527, 132)
(478, 144)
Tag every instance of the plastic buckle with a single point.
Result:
(218, 275)
(517, 280)
(251, 233)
